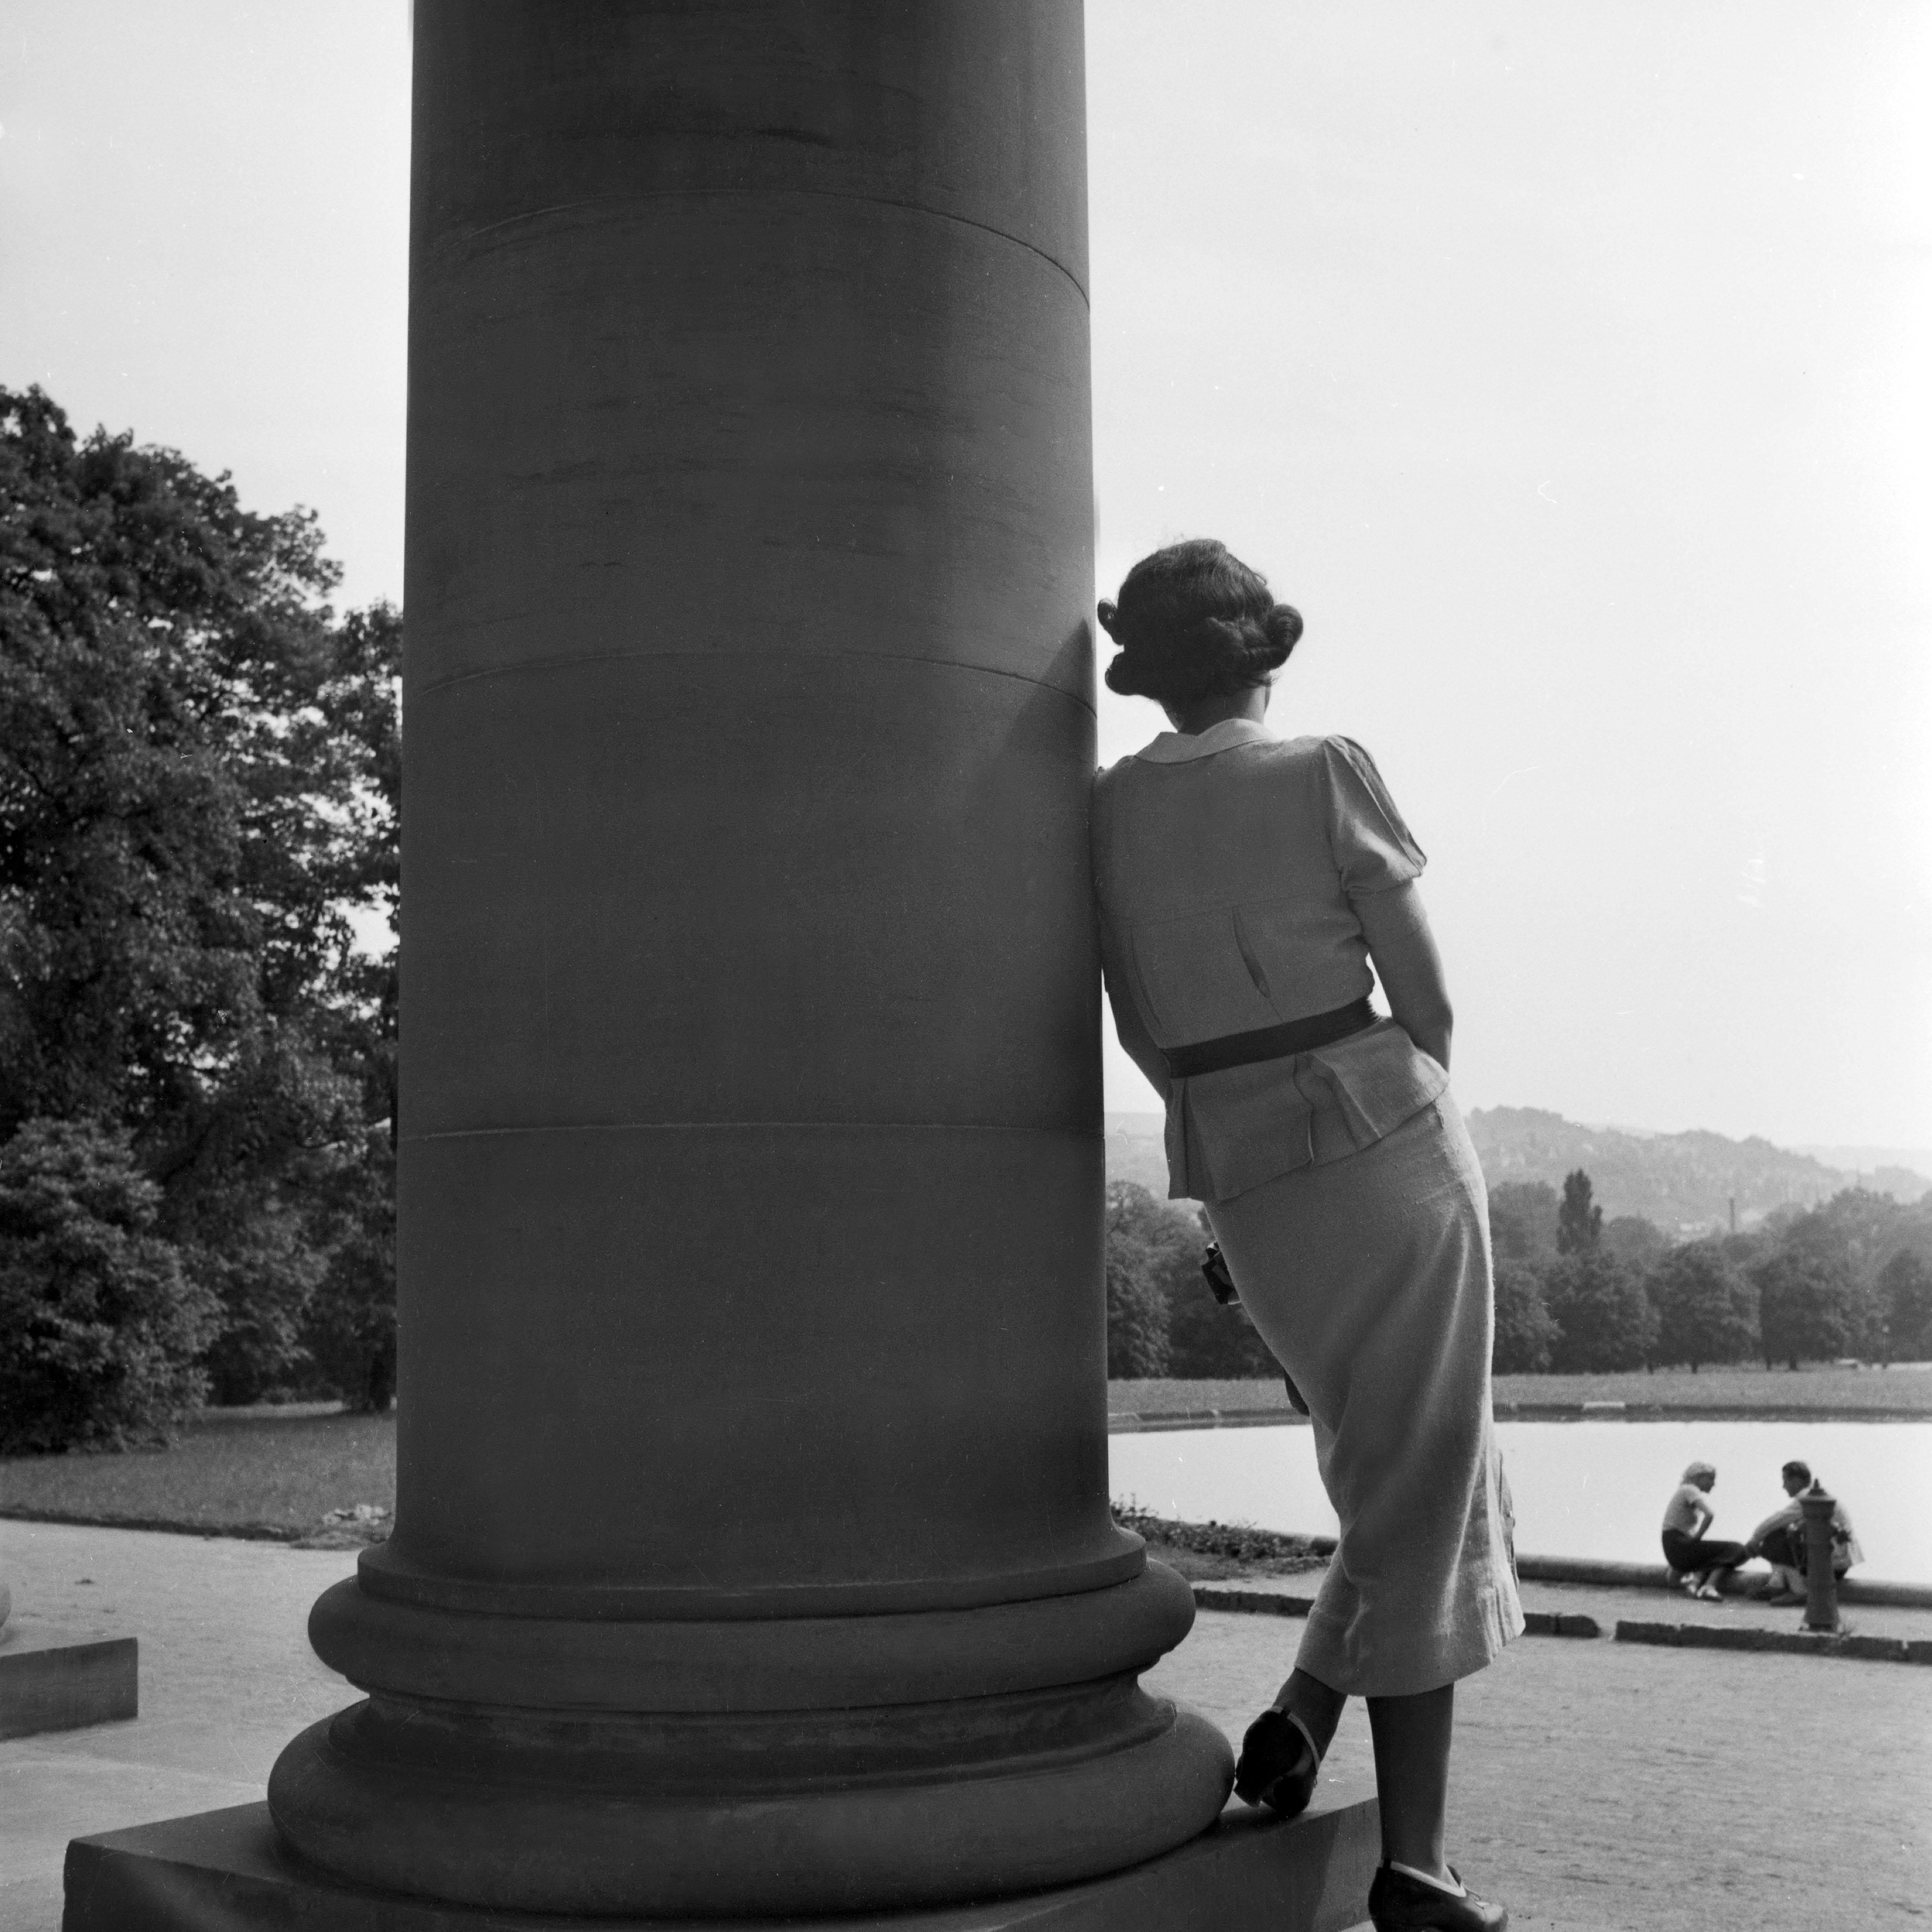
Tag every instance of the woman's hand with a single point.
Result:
(1409, 966)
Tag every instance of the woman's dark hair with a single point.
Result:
(1193, 621)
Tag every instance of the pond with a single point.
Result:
(1581, 1489)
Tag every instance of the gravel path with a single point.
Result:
(1605, 1787)
(1599, 1787)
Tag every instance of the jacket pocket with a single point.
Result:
(1196, 979)
(1248, 958)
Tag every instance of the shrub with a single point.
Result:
(99, 1326)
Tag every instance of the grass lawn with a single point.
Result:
(241, 1472)
(1782, 1392)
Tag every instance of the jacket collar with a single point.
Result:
(1175, 748)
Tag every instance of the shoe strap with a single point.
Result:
(1314, 1750)
(1459, 1890)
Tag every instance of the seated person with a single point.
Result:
(1779, 1541)
(1697, 1564)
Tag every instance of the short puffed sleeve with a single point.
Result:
(1373, 850)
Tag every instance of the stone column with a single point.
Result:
(752, 1551)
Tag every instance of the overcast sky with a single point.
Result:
(1565, 365)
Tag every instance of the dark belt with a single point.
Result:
(1274, 1042)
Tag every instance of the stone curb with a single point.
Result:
(1568, 1623)
(1280, 1603)
(1713, 1636)
(1129, 1422)
(1126, 1422)
(1655, 1576)
(245, 1532)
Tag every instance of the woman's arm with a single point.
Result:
(1409, 966)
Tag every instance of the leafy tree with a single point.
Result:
(100, 1328)
(1846, 1241)
(1579, 1226)
(1525, 1328)
(1706, 1309)
(1136, 1302)
(349, 1330)
(1522, 1220)
(1604, 1319)
(1906, 1283)
(196, 793)
(1631, 1238)
(1203, 1338)
(1804, 1308)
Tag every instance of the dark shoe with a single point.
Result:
(1278, 1765)
(1399, 1903)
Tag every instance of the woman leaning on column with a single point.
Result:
(1245, 881)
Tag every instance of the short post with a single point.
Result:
(1821, 1606)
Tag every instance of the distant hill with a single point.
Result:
(1869, 1159)
(1683, 1183)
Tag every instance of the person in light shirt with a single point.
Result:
(1698, 1564)
(1779, 1541)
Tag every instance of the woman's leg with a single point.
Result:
(1412, 1737)
(1318, 1707)
(1721, 1560)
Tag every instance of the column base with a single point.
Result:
(1248, 1872)
(753, 1767)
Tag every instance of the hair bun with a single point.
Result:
(1282, 625)
(1194, 621)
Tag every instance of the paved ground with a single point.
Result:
(227, 1678)
(1605, 1787)
(1599, 1787)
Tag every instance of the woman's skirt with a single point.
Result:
(1368, 1277)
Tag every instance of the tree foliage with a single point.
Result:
(1526, 1330)
(1136, 1298)
(1905, 1285)
(99, 1327)
(198, 778)
(1631, 1238)
(1603, 1317)
(1523, 1219)
(1804, 1307)
(1706, 1309)
(1579, 1225)
(1161, 1244)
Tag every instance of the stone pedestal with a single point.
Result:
(1253, 1874)
(49, 1685)
(752, 1553)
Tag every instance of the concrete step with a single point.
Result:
(48, 1684)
